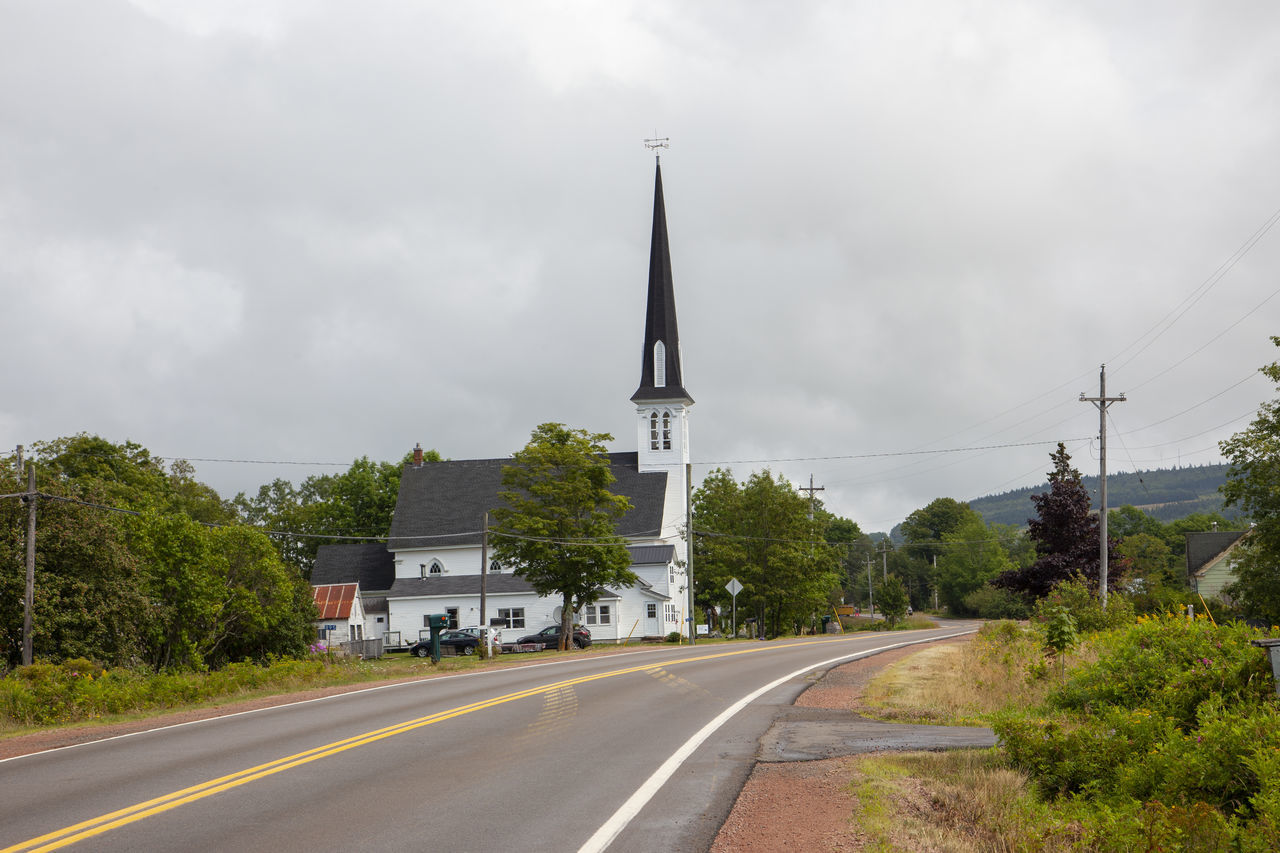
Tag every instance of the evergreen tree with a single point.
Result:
(1065, 534)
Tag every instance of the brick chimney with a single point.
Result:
(417, 455)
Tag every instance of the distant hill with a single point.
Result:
(1167, 494)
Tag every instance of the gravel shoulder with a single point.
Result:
(798, 796)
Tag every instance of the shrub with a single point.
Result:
(1085, 607)
(991, 602)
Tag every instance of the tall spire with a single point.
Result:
(660, 369)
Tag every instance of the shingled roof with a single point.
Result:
(443, 503)
(369, 563)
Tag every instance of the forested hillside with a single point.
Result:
(1165, 494)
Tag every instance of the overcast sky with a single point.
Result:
(313, 231)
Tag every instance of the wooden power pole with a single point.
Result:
(29, 600)
(1102, 401)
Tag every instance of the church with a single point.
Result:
(434, 559)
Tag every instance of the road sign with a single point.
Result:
(734, 588)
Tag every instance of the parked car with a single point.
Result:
(550, 637)
(462, 642)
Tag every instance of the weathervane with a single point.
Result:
(657, 142)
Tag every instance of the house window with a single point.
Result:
(452, 613)
(379, 620)
(436, 568)
(513, 616)
(651, 610)
(598, 614)
(659, 364)
(653, 431)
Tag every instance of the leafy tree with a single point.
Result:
(761, 533)
(358, 503)
(972, 558)
(87, 600)
(1253, 485)
(127, 476)
(559, 525)
(924, 529)
(892, 599)
(216, 595)
(1066, 535)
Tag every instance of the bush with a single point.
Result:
(1171, 738)
(991, 602)
(1085, 607)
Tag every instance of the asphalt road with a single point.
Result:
(639, 751)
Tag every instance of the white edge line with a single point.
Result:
(612, 827)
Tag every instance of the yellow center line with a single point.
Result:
(121, 817)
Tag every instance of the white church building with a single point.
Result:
(432, 560)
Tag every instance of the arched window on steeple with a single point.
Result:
(666, 430)
(654, 435)
(659, 364)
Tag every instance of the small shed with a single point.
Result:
(341, 613)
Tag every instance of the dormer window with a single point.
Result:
(435, 568)
(659, 365)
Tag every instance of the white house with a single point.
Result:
(432, 561)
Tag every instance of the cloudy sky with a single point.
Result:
(904, 235)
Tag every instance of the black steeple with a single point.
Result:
(660, 374)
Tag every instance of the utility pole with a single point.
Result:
(871, 598)
(688, 547)
(1102, 401)
(29, 600)
(18, 468)
(884, 557)
(484, 585)
(811, 489)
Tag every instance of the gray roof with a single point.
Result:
(1203, 548)
(443, 503)
(651, 554)
(457, 585)
(369, 564)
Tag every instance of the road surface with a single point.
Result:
(637, 751)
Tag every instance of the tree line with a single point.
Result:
(139, 563)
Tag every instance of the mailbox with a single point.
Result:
(438, 621)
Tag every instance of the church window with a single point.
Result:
(666, 430)
(495, 567)
(659, 364)
(436, 568)
(653, 431)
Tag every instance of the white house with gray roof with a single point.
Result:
(432, 560)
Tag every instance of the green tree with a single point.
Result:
(924, 529)
(357, 503)
(215, 595)
(559, 526)
(761, 533)
(973, 557)
(892, 599)
(87, 599)
(1253, 485)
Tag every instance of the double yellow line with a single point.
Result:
(122, 817)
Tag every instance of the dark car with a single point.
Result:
(462, 643)
(550, 637)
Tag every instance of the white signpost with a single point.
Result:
(734, 588)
